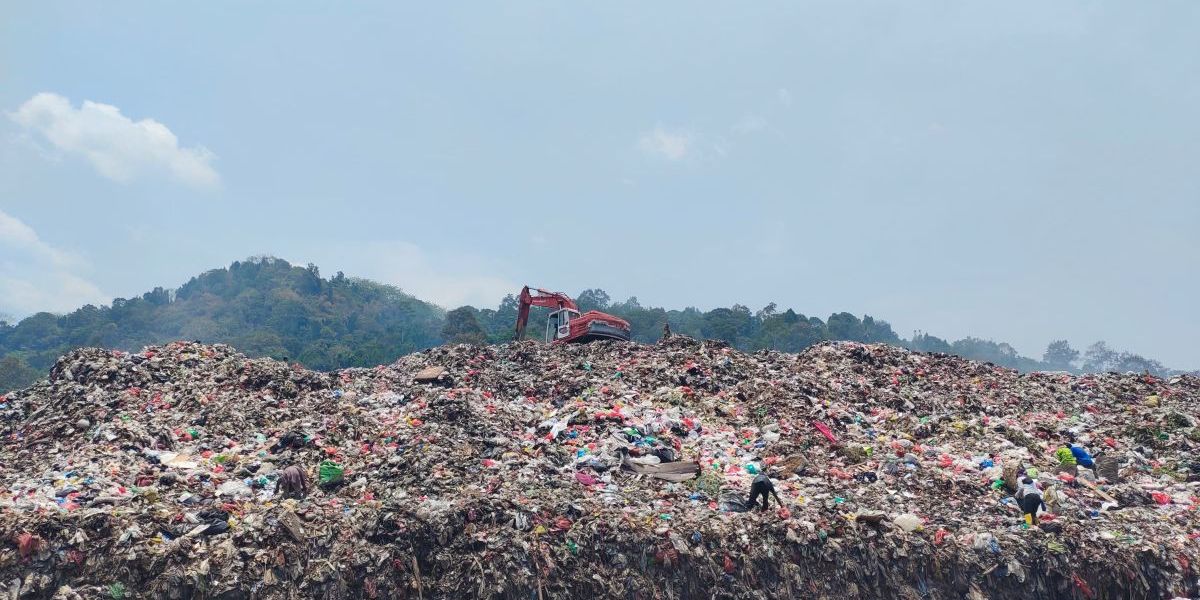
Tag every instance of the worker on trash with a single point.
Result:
(1066, 460)
(293, 482)
(1081, 455)
(762, 486)
(666, 330)
(988, 462)
(1029, 498)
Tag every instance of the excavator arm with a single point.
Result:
(554, 300)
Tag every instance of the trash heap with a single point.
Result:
(603, 470)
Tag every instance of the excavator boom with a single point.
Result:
(566, 324)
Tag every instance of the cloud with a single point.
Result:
(447, 280)
(116, 146)
(16, 235)
(666, 144)
(35, 276)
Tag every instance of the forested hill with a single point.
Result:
(263, 307)
(268, 307)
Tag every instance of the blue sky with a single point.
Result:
(1022, 172)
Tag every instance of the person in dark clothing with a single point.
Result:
(293, 482)
(1030, 500)
(762, 486)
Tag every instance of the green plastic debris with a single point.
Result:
(193, 432)
(330, 472)
(117, 591)
(573, 547)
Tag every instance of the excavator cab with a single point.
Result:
(558, 325)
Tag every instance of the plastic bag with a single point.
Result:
(330, 472)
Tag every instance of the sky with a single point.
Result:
(1019, 171)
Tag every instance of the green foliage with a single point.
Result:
(15, 373)
(462, 327)
(262, 306)
(1060, 355)
(923, 342)
(1099, 357)
(266, 307)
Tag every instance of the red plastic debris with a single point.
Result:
(939, 536)
(28, 543)
(824, 429)
(729, 566)
(1083, 586)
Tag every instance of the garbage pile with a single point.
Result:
(603, 470)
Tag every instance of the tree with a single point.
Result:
(878, 332)
(729, 324)
(844, 326)
(1100, 358)
(462, 327)
(923, 342)
(1128, 361)
(593, 299)
(767, 312)
(1060, 356)
(15, 374)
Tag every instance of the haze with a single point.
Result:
(1023, 171)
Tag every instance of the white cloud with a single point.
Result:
(35, 276)
(784, 96)
(116, 146)
(667, 144)
(449, 281)
(16, 235)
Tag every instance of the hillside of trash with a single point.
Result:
(612, 469)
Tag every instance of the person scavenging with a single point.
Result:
(1029, 496)
(762, 486)
(1082, 457)
(293, 482)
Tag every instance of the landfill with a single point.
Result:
(621, 470)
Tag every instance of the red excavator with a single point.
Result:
(565, 324)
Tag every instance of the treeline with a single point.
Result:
(790, 331)
(267, 307)
(262, 306)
